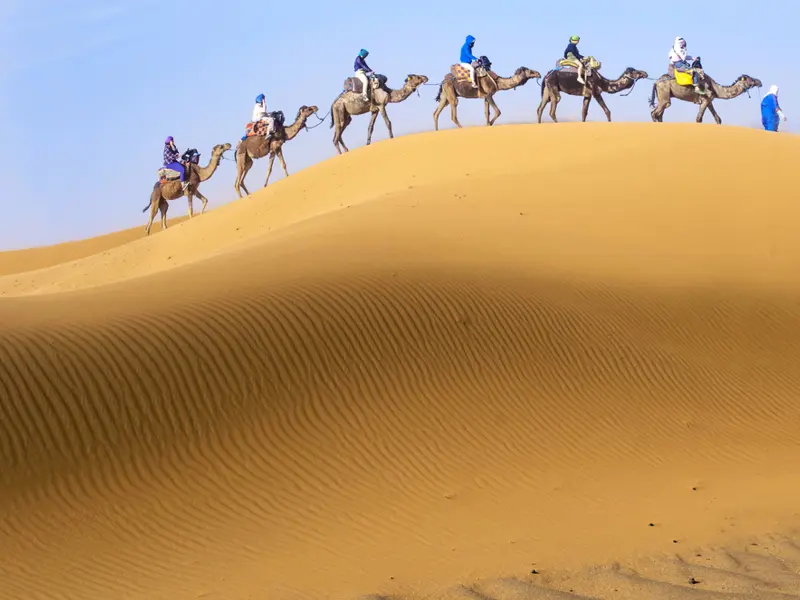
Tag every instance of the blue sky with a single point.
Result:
(89, 89)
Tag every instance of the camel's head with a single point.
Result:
(749, 82)
(220, 149)
(635, 74)
(414, 81)
(306, 111)
(524, 73)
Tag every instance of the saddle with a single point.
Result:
(260, 128)
(567, 65)
(684, 78)
(167, 175)
(482, 68)
(353, 84)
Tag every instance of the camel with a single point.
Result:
(667, 88)
(565, 81)
(451, 90)
(349, 104)
(172, 190)
(256, 146)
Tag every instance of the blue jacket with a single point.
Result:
(572, 47)
(361, 64)
(769, 107)
(466, 51)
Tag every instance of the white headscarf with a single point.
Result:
(677, 51)
(774, 90)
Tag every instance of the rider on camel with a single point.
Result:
(363, 72)
(573, 54)
(172, 160)
(467, 59)
(260, 114)
(684, 63)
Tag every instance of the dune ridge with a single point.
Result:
(427, 392)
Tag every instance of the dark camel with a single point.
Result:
(256, 146)
(667, 88)
(565, 81)
(451, 90)
(173, 190)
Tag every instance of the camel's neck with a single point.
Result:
(293, 129)
(509, 83)
(612, 86)
(725, 92)
(206, 172)
(401, 94)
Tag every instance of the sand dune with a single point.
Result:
(422, 370)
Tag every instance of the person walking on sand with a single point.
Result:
(771, 112)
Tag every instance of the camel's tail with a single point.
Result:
(653, 97)
(439, 93)
(156, 185)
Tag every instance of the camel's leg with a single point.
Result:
(241, 171)
(345, 123)
(599, 97)
(248, 164)
(443, 102)
(454, 113)
(713, 112)
(700, 112)
(341, 124)
(486, 110)
(163, 207)
(283, 162)
(704, 104)
(269, 168)
(543, 104)
(497, 113)
(386, 120)
(370, 128)
(203, 199)
(153, 210)
(452, 100)
(556, 98)
(191, 207)
(585, 108)
(337, 131)
(663, 104)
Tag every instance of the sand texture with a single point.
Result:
(444, 366)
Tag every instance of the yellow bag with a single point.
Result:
(683, 78)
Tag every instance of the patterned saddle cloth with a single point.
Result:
(461, 73)
(353, 84)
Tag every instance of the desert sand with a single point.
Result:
(448, 365)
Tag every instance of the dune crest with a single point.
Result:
(408, 373)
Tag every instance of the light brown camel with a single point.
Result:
(172, 190)
(350, 104)
(667, 88)
(256, 146)
(451, 90)
(565, 81)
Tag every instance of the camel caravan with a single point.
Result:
(367, 92)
